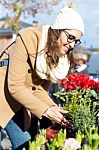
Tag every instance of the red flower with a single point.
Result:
(79, 81)
(64, 82)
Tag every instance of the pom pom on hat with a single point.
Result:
(68, 18)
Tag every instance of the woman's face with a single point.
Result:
(68, 39)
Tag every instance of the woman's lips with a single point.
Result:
(65, 48)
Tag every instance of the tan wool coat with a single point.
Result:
(19, 83)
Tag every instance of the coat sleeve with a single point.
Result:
(16, 81)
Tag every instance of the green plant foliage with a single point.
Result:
(38, 142)
(89, 139)
(58, 141)
(82, 106)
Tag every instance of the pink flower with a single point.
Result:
(71, 144)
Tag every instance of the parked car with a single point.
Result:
(93, 65)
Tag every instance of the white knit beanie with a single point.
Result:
(68, 18)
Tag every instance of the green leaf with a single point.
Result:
(86, 147)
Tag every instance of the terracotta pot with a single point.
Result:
(51, 133)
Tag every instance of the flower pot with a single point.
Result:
(51, 133)
(70, 133)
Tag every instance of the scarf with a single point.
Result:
(55, 74)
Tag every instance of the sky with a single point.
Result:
(88, 9)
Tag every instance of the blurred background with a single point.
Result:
(18, 14)
(21, 13)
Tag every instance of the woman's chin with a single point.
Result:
(64, 53)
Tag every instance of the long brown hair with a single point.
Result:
(53, 51)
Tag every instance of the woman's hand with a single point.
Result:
(55, 114)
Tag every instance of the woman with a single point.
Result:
(39, 57)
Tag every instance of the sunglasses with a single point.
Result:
(71, 38)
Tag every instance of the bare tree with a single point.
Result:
(29, 6)
(26, 7)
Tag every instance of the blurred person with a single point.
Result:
(81, 66)
(34, 23)
(40, 56)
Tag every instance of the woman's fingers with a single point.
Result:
(64, 122)
(56, 114)
(60, 109)
(63, 111)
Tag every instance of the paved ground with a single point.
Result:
(5, 142)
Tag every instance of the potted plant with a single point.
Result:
(80, 96)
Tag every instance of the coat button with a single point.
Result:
(33, 88)
(29, 70)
